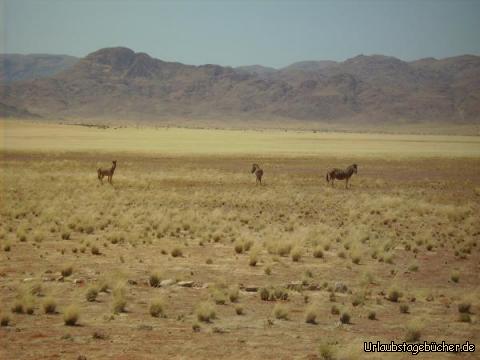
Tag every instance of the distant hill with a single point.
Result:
(15, 67)
(117, 82)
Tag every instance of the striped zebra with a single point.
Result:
(258, 173)
(340, 174)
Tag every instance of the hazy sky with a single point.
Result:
(227, 32)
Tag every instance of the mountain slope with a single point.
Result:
(14, 67)
(119, 82)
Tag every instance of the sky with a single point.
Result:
(228, 32)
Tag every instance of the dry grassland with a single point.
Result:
(184, 257)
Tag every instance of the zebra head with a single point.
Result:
(254, 168)
(354, 166)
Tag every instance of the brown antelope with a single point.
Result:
(258, 173)
(107, 172)
(340, 174)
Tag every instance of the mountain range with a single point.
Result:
(120, 83)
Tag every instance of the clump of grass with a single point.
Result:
(49, 306)
(413, 268)
(464, 307)
(464, 318)
(268, 270)
(253, 259)
(67, 271)
(157, 308)
(239, 309)
(311, 315)
(18, 307)
(404, 308)
(318, 253)
(176, 252)
(65, 235)
(280, 311)
(7, 247)
(209, 261)
(91, 294)
(345, 318)
(238, 247)
(95, 250)
(233, 294)
(394, 294)
(356, 258)
(196, 327)
(219, 296)
(21, 235)
(335, 310)
(341, 254)
(271, 294)
(326, 351)
(372, 315)
(413, 332)
(296, 253)
(284, 248)
(455, 276)
(154, 279)
(4, 320)
(119, 300)
(205, 312)
(71, 315)
(358, 299)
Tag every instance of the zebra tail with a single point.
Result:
(328, 177)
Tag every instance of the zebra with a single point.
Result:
(107, 172)
(340, 174)
(258, 173)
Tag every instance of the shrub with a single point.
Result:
(358, 299)
(119, 300)
(284, 248)
(67, 271)
(296, 254)
(18, 307)
(268, 270)
(404, 308)
(219, 297)
(176, 252)
(65, 235)
(464, 308)
(356, 259)
(154, 279)
(455, 276)
(157, 308)
(238, 247)
(95, 250)
(280, 311)
(394, 295)
(6, 247)
(49, 306)
(463, 317)
(4, 320)
(196, 326)
(239, 309)
(335, 310)
(372, 315)
(253, 259)
(345, 318)
(413, 332)
(91, 294)
(71, 315)
(264, 294)
(326, 352)
(205, 312)
(209, 261)
(233, 294)
(413, 268)
(311, 315)
(318, 253)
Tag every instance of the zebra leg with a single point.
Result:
(346, 183)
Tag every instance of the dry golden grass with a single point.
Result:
(406, 226)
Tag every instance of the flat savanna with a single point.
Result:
(184, 256)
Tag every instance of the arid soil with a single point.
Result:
(217, 244)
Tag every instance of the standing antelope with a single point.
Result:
(107, 172)
(340, 174)
(258, 173)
